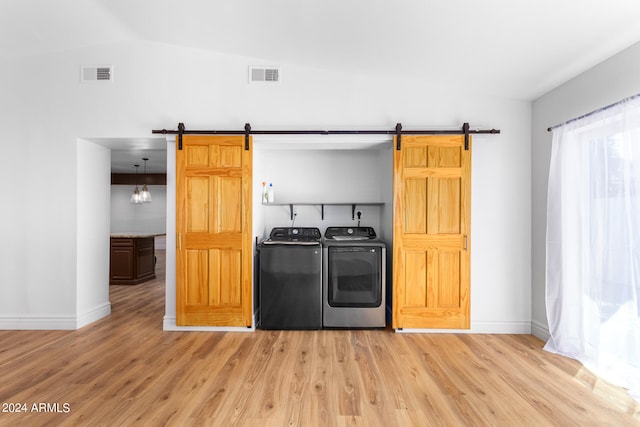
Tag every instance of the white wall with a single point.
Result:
(316, 176)
(94, 163)
(140, 218)
(156, 86)
(607, 83)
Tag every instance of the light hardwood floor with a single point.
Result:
(124, 370)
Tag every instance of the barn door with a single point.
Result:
(432, 195)
(213, 226)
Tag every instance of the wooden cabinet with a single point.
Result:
(132, 260)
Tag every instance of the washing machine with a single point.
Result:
(353, 278)
(290, 281)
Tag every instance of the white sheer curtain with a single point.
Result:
(593, 243)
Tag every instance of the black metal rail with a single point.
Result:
(398, 132)
(549, 129)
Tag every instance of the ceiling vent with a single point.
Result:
(96, 73)
(264, 74)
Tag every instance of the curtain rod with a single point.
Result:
(398, 131)
(594, 112)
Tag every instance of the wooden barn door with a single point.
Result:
(431, 262)
(213, 226)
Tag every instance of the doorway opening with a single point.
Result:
(97, 159)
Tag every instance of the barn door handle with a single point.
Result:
(466, 239)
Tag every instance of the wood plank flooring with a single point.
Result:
(124, 370)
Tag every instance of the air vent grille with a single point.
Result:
(264, 74)
(104, 73)
(99, 73)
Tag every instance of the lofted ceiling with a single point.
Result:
(507, 48)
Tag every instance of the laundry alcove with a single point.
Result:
(327, 174)
(322, 181)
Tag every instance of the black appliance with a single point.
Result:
(290, 282)
(354, 283)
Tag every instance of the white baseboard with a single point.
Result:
(31, 323)
(540, 330)
(54, 323)
(93, 315)
(169, 324)
(478, 328)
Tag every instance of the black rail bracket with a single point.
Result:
(247, 132)
(180, 132)
(398, 135)
(465, 130)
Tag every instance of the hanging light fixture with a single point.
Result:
(145, 196)
(135, 197)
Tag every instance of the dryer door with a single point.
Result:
(354, 276)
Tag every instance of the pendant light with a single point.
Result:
(145, 196)
(135, 197)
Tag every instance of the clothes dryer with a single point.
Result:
(353, 284)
